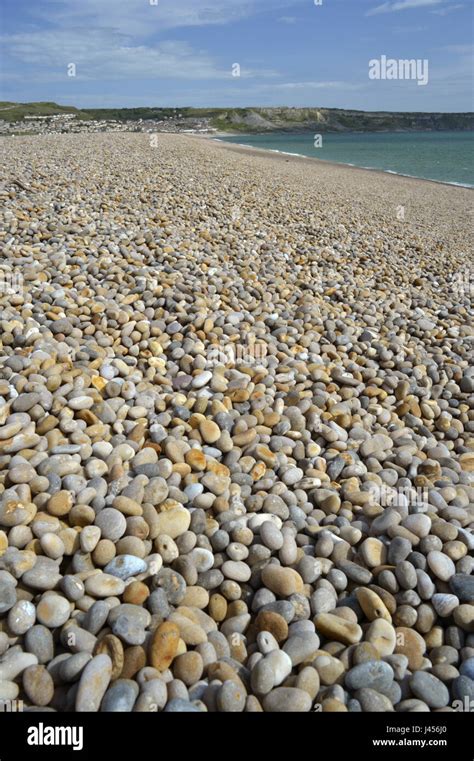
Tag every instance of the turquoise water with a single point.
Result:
(443, 156)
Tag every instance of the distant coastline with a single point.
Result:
(253, 120)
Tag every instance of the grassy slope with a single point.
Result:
(14, 112)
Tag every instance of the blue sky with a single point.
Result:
(181, 52)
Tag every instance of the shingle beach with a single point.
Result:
(236, 431)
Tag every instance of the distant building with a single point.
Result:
(51, 117)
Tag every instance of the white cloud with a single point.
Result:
(287, 19)
(463, 49)
(332, 85)
(448, 9)
(112, 39)
(140, 17)
(98, 54)
(402, 5)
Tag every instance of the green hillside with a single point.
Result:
(14, 112)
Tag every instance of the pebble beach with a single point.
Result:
(236, 431)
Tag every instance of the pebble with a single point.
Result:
(271, 536)
(429, 689)
(125, 566)
(301, 647)
(377, 675)
(95, 679)
(178, 705)
(112, 524)
(11, 667)
(382, 635)
(120, 697)
(230, 698)
(38, 685)
(53, 610)
(173, 522)
(188, 667)
(236, 570)
(22, 616)
(334, 627)
(9, 690)
(39, 642)
(372, 701)
(411, 644)
(112, 647)
(281, 665)
(441, 565)
(372, 605)
(164, 645)
(287, 700)
(463, 587)
(7, 596)
(104, 585)
(444, 604)
(282, 581)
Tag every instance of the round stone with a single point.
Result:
(21, 617)
(444, 604)
(372, 605)
(462, 586)
(287, 700)
(39, 641)
(373, 701)
(120, 697)
(173, 522)
(236, 570)
(38, 685)
(382, 636)
(112, 647)
(60, 503)
(164, 645)
(441, 565)
(231, 698)
(376, 675)
(104, 585)
(125, 566)
(411, 644)
(428, 688)
(93, 683)
(53, 610)
(209, 431)
(301, 647)
(271, 536)
(373, 552)
(129, 629)
(273, 623)
(282, 581)
(112, 524)
(188, 667)
(335, 628)
(7, 596)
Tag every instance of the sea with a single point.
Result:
(442, 156)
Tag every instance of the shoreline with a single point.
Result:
(330, 162)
